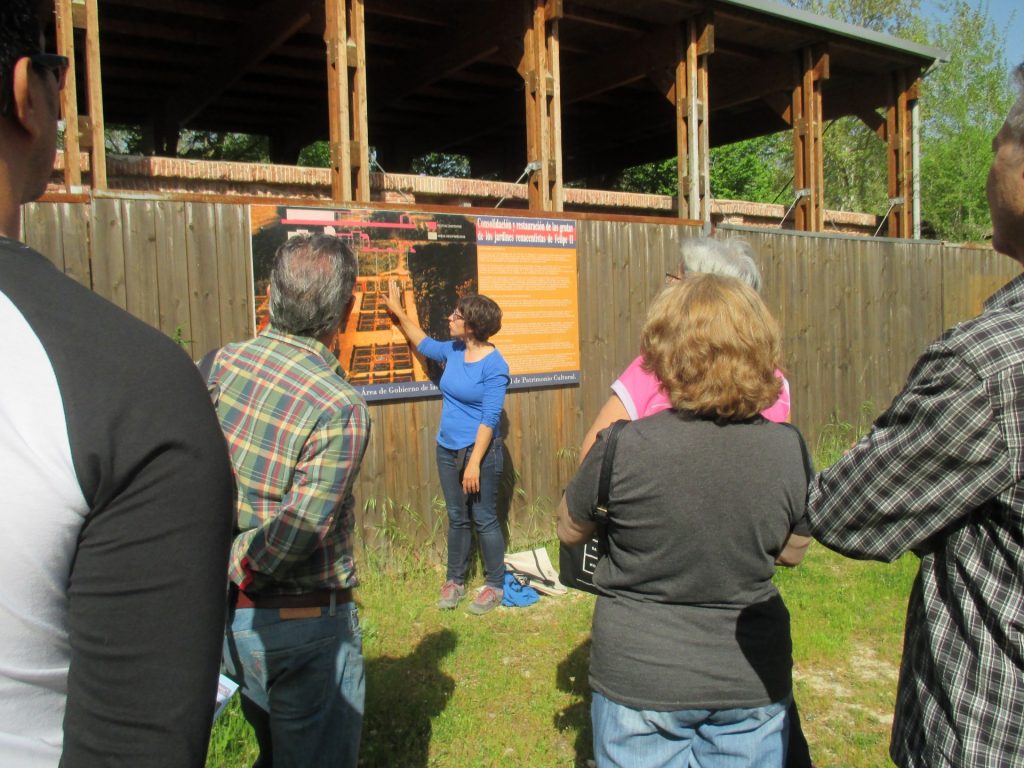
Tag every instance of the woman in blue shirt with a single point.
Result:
(469, 451)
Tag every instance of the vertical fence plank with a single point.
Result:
(76, 241)
(172, 272)
(41, 229)
(204, 287)
(232, 237)
(108, 251)
(142, 293)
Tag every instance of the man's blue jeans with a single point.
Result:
(302, 684)
(480, 508)
(707, 738)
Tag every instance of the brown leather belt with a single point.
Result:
(317, 599)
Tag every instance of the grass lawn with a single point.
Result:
(510, 688)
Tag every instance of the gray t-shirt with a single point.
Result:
(688, 617)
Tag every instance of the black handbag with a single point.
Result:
(577, 562)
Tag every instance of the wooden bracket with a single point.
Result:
(553, 10)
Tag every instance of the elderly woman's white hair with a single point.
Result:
(732, 257)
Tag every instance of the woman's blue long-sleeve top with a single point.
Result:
(473, 393)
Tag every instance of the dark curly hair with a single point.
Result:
(481, 315)
(19, 36)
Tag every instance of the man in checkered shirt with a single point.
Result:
(942, 474)
(297, 432)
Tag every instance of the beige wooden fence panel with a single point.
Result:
(970, 275)
(61, 233)
(855, 314)
(172, 272)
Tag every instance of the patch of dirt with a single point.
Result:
(862, 669)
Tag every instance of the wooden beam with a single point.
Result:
(583, 14)
(767, 77)
(899, 149)
(356, 62)
(408, 10)
(690, 93)
(808, 166)
(94, 95)
(632, 62)
(338, 105)
(555, 110)
(478, 35)
(191, 8)
(539, 69)
(69, 97)
(191, 35)
(262, 33)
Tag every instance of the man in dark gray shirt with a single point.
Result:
(116, 515)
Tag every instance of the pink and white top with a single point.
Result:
(642, 394)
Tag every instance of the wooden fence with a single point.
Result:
(855, 313)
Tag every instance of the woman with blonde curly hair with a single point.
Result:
(637, 393)
(691, 654)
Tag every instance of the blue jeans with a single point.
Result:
(697, 738)
(302, 684)
(481, 507)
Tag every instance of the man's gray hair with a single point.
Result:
(727, 258)
(311, 284)
(1015, 120)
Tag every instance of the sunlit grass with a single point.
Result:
(510, 687)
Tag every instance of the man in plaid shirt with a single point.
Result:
(942, 474)
(297, 432)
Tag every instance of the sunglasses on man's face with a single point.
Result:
(53, 63)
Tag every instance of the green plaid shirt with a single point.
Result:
(297, 432)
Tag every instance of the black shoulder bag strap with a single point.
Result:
(604, 484)
(205, 365)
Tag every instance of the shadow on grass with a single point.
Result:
(571, 678)
(403, 696)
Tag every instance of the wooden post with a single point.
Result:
(540, 71)
(690, 96)
(335, 37)
(69, 97)
(899, 150)
(344, 36)
(360, 152)
(94, 90)
(808, 165)
(553, 12)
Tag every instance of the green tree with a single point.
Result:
(654, 178)
(315, 155)
(758, 169)
(452, 166)
(217, 145)
(963, 103)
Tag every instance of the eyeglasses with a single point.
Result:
(671, 277)
(53, 63)
(456, 315)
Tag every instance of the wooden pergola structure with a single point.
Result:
(549, 90)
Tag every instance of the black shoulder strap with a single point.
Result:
(604, 485)
(206, 364)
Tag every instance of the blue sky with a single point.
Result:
(999, 11)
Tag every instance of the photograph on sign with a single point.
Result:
(528, 266)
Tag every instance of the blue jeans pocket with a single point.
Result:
(298, 680)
